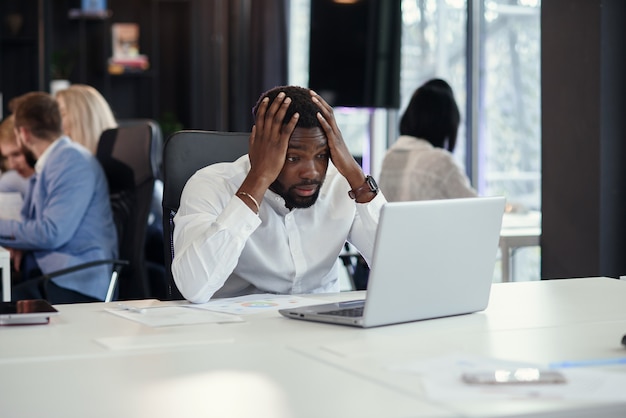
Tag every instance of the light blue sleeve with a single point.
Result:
(68, 185)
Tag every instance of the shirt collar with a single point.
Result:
(41, 161)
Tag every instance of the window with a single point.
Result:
(489, 52)
(509, 109)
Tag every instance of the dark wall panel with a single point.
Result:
(354, 54)
(583, 157)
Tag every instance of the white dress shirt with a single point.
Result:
(223, 249)
(413, 169)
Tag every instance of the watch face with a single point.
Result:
(372, 183)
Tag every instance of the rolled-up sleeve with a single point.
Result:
(211, 229)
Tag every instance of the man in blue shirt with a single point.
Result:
(66, 218)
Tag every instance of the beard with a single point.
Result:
(292, 199)
(30, 157)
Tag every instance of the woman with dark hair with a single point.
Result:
(420, 165)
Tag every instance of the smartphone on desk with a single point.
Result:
(513, 377)
(26, 312)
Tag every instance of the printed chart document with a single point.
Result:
(11, 205)
(252, 304)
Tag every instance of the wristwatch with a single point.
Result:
(369, 186)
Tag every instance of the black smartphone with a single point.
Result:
(24, 312)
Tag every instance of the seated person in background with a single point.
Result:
(420, 165)
(86, 114)
(19, 161)
(276, 219)
(66, 218)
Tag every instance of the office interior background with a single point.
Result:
(540, 87)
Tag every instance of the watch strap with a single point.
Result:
(368, 186)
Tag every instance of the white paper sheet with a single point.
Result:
(163, 316)
(441, 377)
(159, 341)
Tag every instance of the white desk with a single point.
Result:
(5, 266)
(518, 230)
(271, 366)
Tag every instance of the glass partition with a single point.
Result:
(489, 52)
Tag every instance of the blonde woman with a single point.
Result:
(85, 113)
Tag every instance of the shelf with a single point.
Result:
(89, 15)
(132, 74)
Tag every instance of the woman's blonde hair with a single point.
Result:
(7, 135)
(88, 114)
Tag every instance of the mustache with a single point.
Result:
(308, 183)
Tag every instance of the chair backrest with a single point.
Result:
(157, 138)
(184, 153)
(130, 156)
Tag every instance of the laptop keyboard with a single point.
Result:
(348, 312)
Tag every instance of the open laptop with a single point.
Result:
(431, 259)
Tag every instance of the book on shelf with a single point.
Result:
(91, 9)
(93, 5)
(140, 63)
(126, 57)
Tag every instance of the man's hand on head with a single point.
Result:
(270, 138)
(268, 145)
(340, 155)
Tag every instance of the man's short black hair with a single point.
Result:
(301, 103)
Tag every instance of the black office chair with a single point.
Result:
(154, 233)
(130, 156)
(184, 153)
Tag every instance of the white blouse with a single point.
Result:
(413, 169)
